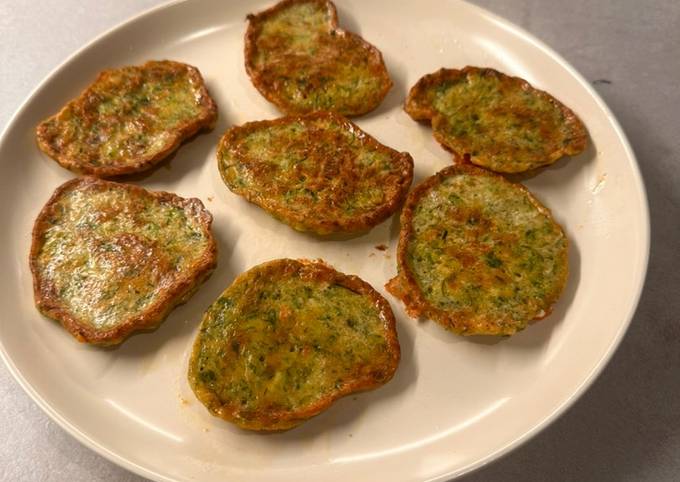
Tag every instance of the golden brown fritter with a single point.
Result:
(301, 61)
(495, 121)
(129, 119)
(109, 259)
(316, 172)
(287, 339)
(478, 254)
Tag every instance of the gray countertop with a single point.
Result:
(627, 426)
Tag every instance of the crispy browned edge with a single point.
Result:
(255, 22)
(177, 293)
(183, 133)
(404, 285)
(425, 112)
(287, 419)
(317, 224)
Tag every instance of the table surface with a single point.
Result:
(627, 426)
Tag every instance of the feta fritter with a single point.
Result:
(495, 121)
(286, 340)
(301, 61)
(109, 259)
(478, 254)
(129, 119)
(316, 172)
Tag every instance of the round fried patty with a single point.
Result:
(129, 119)
(109, 259)
(286, 339)
(301, 61)
(495, 121)
(317, 172)
(478, 254)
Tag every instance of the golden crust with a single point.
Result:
(490, 146)
(76, 135)
(405, 286)
(173, 293)
(338, 49)
(331, 167)
(364, 377)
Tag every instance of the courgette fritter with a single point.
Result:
(301, 61)
(316, 172)
(129, 119)
(109, 259)
(288, 338)
(478, 254)
(495, 121)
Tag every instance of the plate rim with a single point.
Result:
(494, 456)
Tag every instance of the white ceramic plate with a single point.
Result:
(455, 403)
